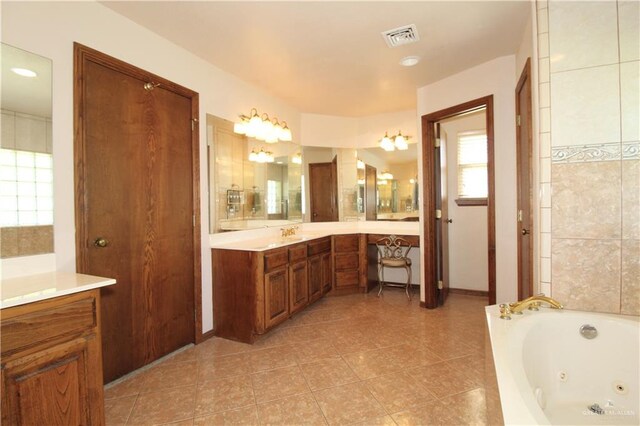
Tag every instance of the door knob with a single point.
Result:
(525, 231)
(315, 214)
(100, 242)
(449, 221)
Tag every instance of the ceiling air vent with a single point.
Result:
(399, 36)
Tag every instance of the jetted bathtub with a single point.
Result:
(550, 372)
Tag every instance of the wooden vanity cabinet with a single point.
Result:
(319, 265)
(298, 278)
(349, 260)
(52, 362)
(276, 297)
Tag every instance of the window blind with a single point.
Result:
(472, 165)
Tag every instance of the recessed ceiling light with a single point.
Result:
(24, 72)
(409, 61)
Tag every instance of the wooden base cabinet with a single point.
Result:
(52, 362)
(254, 291)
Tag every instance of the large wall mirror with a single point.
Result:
(245, 191)
(370, 184)
(26, 162)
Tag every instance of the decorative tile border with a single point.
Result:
(587, 153)
(631, 150)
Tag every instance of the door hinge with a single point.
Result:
(194, 220)
(519, 215)
(518, 119)
(438, 214)
(193, 123)
(437, 143)
(440, 285)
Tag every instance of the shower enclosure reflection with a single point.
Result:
(247, 194)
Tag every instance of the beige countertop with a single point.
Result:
(269, 238)
(33, 288)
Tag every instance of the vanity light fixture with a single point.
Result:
(261, 156)
(386, 175)
(263, 128)
(399, 142)
(297, 159)
(24, 72)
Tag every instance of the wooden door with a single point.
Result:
(370, 199)
(137, 212)
(315, 277)
(524, 179)
(442, 218)
(298, 286)
(276, 296)
(323, 192)
(327, 276)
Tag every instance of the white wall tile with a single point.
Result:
(545, 288)
(543, 20)
(545, 219)
(545, 195)
(545, 119)
(545, 170)
(545, 244)
(586, 106)
(545, 145)
(543, 70)
(630, 102)
(543, 45)
(582, 34)
(545, 95)
(628, 16)
(545, 269)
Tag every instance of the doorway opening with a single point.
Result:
(435, 203)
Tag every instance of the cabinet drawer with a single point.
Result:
(346, 243)
(319, 246)
(275, 259)
(32, 328)
(347, 278)
(345, 262)
(297, 253)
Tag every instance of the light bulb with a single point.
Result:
(401, 142)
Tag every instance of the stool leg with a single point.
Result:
(380, 278)
(408, 288)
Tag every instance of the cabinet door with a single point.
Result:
(298, 286)
(315, 278)
(276, 297)
(326, 272)
(55, 386)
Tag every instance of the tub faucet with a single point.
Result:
(533, 303)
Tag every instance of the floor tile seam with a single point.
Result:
(210, 413)
(460, 393)
(314, 398)
(275, 368)
(283, 397)
(126, 422)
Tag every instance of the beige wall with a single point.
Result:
(497, 78)
(589, 61)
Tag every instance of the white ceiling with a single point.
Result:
(328, 57)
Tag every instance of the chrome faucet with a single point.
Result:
(532, 303)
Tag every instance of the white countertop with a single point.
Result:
(33, 288)
(269, 238)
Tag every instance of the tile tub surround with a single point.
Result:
(424, 380)
(588, 100)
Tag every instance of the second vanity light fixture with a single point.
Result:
(261, 156)
(263, 128)
(392, 143)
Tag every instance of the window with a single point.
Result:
(472, 168)
(26, 188)
(274, 195)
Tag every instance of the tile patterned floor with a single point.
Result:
(354, 359)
